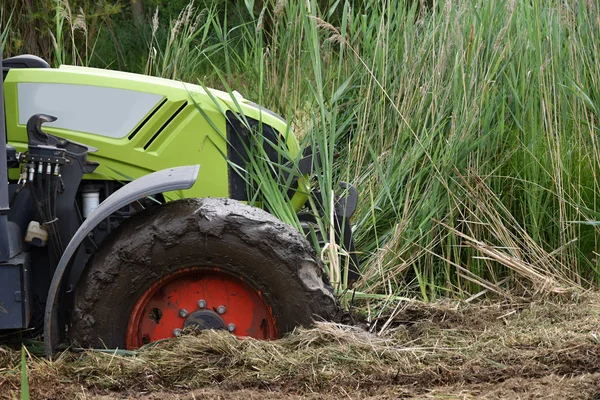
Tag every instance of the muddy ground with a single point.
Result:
(445, 350)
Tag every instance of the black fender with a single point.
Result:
(161, 181)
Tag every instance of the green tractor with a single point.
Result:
(88, 259)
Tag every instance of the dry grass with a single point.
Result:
(427, 350)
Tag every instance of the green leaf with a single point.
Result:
(24, 378)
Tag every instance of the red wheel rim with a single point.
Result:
(168, 303)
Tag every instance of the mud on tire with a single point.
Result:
(199, 233)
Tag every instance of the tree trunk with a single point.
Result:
(30, 39)
(137, 10)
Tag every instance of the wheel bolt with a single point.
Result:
(221, 310)
(231, 327)
(183, 313)
(177, 332)
(201, 303)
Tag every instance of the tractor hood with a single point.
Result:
(139, 124)
(143, 80)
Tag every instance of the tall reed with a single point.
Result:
(469, 129)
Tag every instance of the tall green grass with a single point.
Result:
(24, 377)
(469, 128)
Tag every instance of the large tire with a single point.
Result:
(213, 234)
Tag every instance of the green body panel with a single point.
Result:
(188, 139)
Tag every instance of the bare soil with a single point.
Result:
(447, 350)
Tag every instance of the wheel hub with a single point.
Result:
(204, 319)
(204, 298)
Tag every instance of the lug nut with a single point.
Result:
(221, 310)
(231, 327)
(177, 332)
(183, 313)
(201, 303)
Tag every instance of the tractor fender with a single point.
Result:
(161, 181)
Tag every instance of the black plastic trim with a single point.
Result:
(162, 128)
(145, 121)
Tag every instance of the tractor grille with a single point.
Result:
(239, 141)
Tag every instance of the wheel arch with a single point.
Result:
(161, 181)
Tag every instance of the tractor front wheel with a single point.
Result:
(206, 263)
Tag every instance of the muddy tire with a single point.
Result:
(198, 236)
